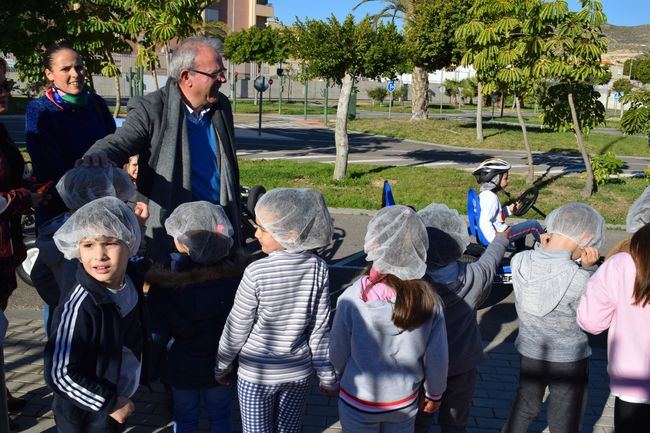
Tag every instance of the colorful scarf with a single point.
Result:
(62, 100)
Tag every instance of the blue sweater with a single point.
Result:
(57, 137)
(206, 182)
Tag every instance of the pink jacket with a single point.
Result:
(607, 303)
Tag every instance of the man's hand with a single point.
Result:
(141, 211)
(95, 159)
(122, 410)
(589, 257)
(329, 392)
(223, 381)
(428, 405)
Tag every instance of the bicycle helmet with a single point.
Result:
(486, 171)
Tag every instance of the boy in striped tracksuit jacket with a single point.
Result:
(95, 357)
(279, 324)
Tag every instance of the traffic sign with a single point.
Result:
(617, 96)
(261, 84)
(270, 81)
(391, 86)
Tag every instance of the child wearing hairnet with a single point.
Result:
(51, 272)
(94, 358)
(462, 287)
(637, 216)
(279, 324)
(189, 305)
(548, 283)
(618, 299)
(388, 341)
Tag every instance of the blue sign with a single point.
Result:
(391, 86)
(617, 96)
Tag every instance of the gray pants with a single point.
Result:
(355, 421)
(454, 409)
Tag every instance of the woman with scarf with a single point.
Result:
(63, 123)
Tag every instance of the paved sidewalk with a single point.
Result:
(496, 387)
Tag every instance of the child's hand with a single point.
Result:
(504, 233)
(329, 392)
(589, 257)
(429, 406)
(512, 207)
(141, 211)
(122, 410)
(38, 198)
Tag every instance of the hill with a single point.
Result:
(634, 39)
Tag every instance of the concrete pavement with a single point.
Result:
(497, 380)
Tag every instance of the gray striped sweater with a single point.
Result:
(279, 324)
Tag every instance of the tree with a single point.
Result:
(470, 87)
(342, 52)
(154, 23)
(451, 90)
(429, 27)
(267, 45)
(638, 69)
(503, 40)
(622, 86)
(572, 59)
(637, 118)
(212, 29)
(378, 94)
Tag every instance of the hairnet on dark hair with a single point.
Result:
(296, 217)
(396, 243)
(203, 228)
(447, 232)
(104, 217)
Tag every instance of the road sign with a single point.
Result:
(270, 81)
(261, 84)
(391, 86)
(617, 96)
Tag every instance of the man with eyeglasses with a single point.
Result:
(184, 136)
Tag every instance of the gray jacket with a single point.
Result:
(378, 362)
(156, 130)
(548, 286)
(463, 287)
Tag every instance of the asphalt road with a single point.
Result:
(290, 138)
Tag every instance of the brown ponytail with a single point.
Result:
(414, 304)
(640, 252)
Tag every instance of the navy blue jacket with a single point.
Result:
(191, 305)
(56, 138)
(83, 356)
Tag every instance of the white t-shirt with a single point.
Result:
(493, 215)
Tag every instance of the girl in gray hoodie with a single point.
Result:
(548, 283)
(388, 342)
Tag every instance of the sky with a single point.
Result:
(619, 12)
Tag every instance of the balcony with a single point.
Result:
(264, 9)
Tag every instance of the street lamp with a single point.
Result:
(442, 92)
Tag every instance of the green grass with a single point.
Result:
(419, 186)
(503, 137)
(271, 107)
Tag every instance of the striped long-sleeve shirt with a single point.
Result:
(279, 324)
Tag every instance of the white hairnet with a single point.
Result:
(203, 228)
(396, 243)
(639, 213)
(81, 185)
(447, 232)
(296, 217)
(579, 222)
(107, 216)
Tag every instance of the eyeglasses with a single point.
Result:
(7, 85)
(213, 75)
